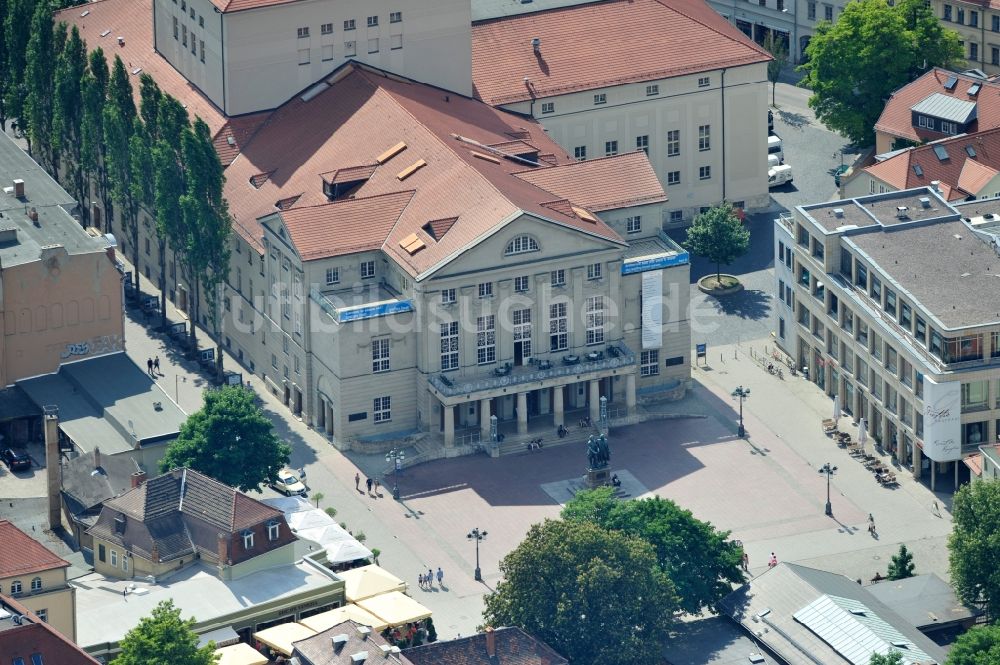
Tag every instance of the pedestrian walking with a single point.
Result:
(149, 366)
(746, 562)
(871, 524)
(156, 364)
(440, 576)
(421, 578)
(376, 487)
(357, 481)
(430, 578)
(773, 561)
(369, 483)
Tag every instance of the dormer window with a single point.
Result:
(247, 539)
(273, 530)
(521, 245)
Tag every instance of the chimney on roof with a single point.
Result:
(536, 46)
(223, 549)
(491, 642)
(364, 632)
(154, 556)
(53, 468)
(121, 41)
(97, 457)
(18, 188)
(138, 478)
(936, 186)
(33, 215)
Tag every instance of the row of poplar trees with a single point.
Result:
(81, 123)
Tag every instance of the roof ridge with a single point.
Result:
(350, 200)
(578, 162)
(733, 37)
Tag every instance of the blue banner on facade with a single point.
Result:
(656, 263)
(374, 311)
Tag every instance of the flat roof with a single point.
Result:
(196, 590)
(943, 266)
(715, 640)
(111, 415)
(879, 210)
(925, 601)
(52, 204)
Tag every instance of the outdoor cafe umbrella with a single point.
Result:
(863, 434)
(836, 408)
(240, 654)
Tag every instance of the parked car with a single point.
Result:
(16, 460)
(770, 121)
(839, 173)
(288, 483)
(774, 147)
(779, 175)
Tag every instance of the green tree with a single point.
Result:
(39, 61)
(94, 89)
(168, 175)
(701, 562)
(150, 98)
(18, 15)
(901, 566)
(979, 646)
(4, 80)
(229, 439)
(67, 113)
(892, 658)
(779, 58)
(164, 638)
(207, 219)
(719, 236)
(973, 546)
(855, 64)
(595, 596)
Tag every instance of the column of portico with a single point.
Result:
(328, 417)
(630, 393)
(484, 418)
(522, 413)
(558, 415)
(449, 426)
(595, 399)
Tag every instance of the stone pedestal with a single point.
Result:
(597, 478)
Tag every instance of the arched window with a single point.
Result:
(36, 584)
(521, 245)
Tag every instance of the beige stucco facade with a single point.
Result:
(791, 21)
(731, 105)
(257, 59)
(47, 594)
(978, 28)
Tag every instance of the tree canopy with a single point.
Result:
(595, 596)
(901, 566)
(892, 658)
(163, 638)
(700, 561)
(718, 235)
(855, 64)
(974, 547)
(229, 439)
(778, 49)
(979, 646)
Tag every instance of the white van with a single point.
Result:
(774, 147)
(779, 175)
(772, 161)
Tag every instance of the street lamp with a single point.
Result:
(604, 410)
(741, 393)
(477, 535)
(828, 470)
(493, 429)
(395, 457)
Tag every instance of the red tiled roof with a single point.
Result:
(358, 225)
(602, 44)
(133, 20)
(896, 119)
(364, 113)
(20, 554)
(602, 184)
(38, 637)
(960, 175)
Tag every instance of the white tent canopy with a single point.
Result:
(240, 654)
(221, 636)
(350, 612)
(310, 523)
(368, 581)
(280, 637)
(395, 608)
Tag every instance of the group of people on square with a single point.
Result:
(427, 581)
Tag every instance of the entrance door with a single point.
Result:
(522, 336)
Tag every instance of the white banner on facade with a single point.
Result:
(652, 309)
(942, 420)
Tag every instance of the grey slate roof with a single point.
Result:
(112, 415)
(946, 107)
(711, 641)
(318, 649)
(766, 606)
(926, 601)
(513, 647)
(15, 403)
(86, 486)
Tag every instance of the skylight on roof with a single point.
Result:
(950, 83)
(974, 89)
(919, 170)
(970, 151)
(941, 153)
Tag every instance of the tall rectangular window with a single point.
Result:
(380, 354)
(176, 27)
(642, 143)
(447, 296)
(372, 21)
(201, 48)
(367, 269)
(673, 177)
(382, 409)
(811, 11)
(595, 320)
(521, 318)
(303, 32)
(649, 363)
(673, 142)
(486, 339)
(558, 277)
(521, 283)
(449, 346)
(610, 148)
(326, 29)
(395, 17)
(633, 224)
(558, 327)
(704, 173)
(580, 152)
(332, 276)
(486, 289)
(349, 24)
(594, 271)
(704, 137)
